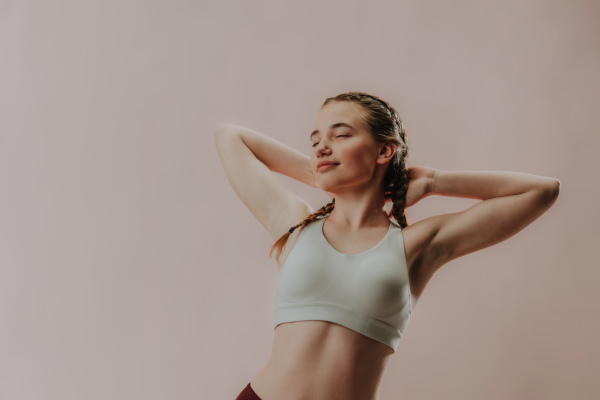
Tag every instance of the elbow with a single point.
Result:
(221, 135)
(224, 130)
(228, 128)
(555, 187)
(222, 127)
(551, 190)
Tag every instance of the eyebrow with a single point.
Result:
(336, 125)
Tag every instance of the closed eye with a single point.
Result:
(316, 143)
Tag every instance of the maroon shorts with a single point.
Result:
(248, 394)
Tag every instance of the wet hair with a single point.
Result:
(386, 127)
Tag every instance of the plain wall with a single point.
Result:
(129, 268)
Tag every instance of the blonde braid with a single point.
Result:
(326, 209)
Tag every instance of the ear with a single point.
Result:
(386, 152)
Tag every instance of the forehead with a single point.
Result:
(339, 111)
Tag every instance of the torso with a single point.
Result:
(321, 360)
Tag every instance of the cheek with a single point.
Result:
(356, 157)
(350, 153)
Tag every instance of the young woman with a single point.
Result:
(349, 277)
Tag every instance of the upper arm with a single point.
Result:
(488, 222)
(275, 207)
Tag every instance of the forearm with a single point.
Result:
(487, 184)
(277, 156)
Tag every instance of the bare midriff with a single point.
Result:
(321, 360)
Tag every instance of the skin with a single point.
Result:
(355, 182)
(335, 362)
(321, 360)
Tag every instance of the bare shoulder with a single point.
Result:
(303, 212)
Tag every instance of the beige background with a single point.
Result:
(129, 269)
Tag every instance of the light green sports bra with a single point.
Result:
(367, 292)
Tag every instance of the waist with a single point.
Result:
(322, 360)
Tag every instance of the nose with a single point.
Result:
(321, 147)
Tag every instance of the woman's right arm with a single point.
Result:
(277, 156)
(275, 207)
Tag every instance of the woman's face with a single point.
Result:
(349, 145)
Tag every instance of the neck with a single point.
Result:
(353, 212)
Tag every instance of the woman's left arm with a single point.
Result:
(488, 184)
(511, 201)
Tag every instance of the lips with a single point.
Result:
(325, 166)
(325, 163)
